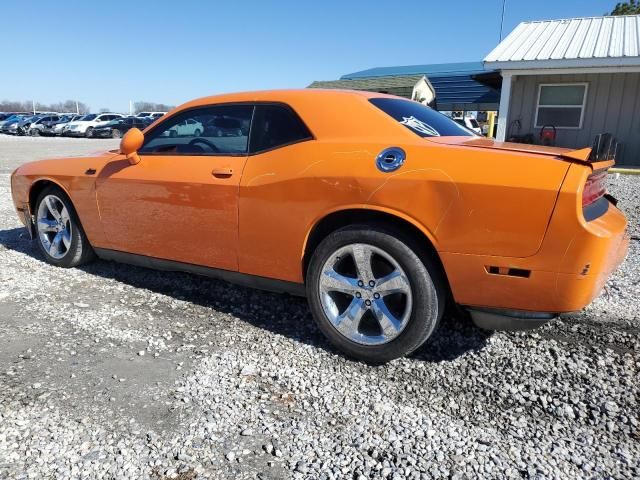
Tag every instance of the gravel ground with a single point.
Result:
(112, 371)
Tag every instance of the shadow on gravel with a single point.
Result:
(278, 313)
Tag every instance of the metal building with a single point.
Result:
(580, 75)
(458, 86)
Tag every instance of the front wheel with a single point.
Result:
(115, 133)
(372, 294)
(59, 234)
(89, 132)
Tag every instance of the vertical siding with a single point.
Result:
(613, 105)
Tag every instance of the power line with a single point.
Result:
(504, 2)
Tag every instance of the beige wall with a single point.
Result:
(613, 106)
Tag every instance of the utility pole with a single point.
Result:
(33, 104)
(504, 2)
(77, 108)
(130, 107)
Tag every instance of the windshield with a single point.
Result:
(88, 118)
(420, 119)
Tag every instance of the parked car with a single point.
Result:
(16, 117)
(470, 123)
(118, 127)
(84, 127)
(43, 125)
(59, 127)
(188, 127)
(380, 216)
(150, 115)
(21, 126)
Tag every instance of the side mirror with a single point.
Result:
(130, 144)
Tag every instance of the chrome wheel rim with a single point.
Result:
(54, 226)
(365, 294)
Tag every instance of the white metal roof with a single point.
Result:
(574, 42)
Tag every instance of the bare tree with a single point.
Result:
(27, 106)
(151, 107)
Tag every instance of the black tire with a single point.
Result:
(34, 132)
(115, 133)
(89, 132)
(197, 132)
(80, 251)
(427, 286)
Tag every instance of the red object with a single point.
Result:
(548, 135)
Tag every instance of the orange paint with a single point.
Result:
(479, 203)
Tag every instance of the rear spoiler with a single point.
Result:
(601, 156)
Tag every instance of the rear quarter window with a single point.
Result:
(276, 126)
(420, 119)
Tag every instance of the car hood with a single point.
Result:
(69, 166)
(482, 142)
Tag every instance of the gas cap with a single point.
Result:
(390, 159)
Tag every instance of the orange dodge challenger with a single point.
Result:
(378, 208)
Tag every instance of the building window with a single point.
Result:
(561, 105)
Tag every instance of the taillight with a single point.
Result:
(595, 187)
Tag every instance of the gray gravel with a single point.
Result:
(112, 371)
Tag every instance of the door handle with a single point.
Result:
(225, 172)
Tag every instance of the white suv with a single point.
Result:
(150, 116)
(84, 126)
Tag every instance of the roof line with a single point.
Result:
(577, 18)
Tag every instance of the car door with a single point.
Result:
(180, 202)
(274, 203)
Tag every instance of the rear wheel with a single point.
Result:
(34, 132)
(59, 234)
(115, 133)
(372, 294)
(89, 132)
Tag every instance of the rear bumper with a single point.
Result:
(574, 262)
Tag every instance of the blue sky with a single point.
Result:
(107, 52)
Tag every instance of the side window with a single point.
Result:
(216, 130)
(275, 126)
